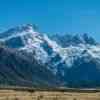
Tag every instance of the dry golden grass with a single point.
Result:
(47, 95)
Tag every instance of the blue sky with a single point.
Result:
(53, 16)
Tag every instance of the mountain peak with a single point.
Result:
(28, 27)
(23, 28)
(74, 39)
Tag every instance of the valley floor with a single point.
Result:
(47, 95)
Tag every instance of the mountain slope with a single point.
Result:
(17, 69)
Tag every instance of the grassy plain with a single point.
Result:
(24, 94)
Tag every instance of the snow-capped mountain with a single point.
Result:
(66, 56)
(25, 38)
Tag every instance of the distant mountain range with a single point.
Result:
(30, 58)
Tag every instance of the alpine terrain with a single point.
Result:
(30, 58)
